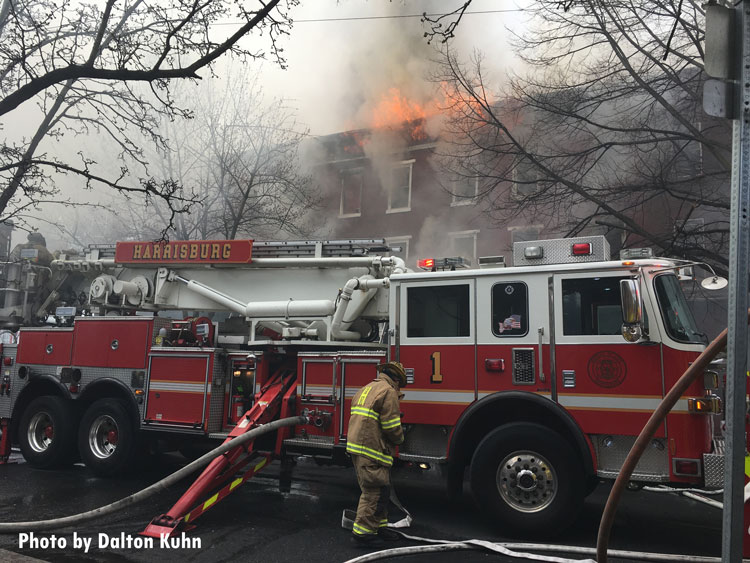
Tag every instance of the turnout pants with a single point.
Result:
(375, 482)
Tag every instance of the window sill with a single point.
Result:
(348, 215)
(398, 210)
(463, 202)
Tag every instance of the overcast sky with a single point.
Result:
(344, 55)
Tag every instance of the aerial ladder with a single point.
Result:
(275, 400)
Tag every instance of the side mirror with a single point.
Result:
(632, 333)
(632, 310)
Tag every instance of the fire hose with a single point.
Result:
(509, 549)
(14, 527)
(644, 438)
(504, 548)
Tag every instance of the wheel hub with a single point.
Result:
(103, 436)
(526, 481)
(40, 432)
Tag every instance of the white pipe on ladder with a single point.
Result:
(280, 309)
(366, 284)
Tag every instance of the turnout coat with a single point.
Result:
(375, 425)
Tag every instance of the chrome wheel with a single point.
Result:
(526, 481)
(103, 436)
(40, 432)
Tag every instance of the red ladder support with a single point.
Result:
(227, 465)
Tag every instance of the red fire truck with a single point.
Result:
(531, 380)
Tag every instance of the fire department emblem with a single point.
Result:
(607, 369)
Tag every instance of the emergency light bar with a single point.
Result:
(636, 253)
(440, 264)
(560, 251)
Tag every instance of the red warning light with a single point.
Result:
(426, 263)
(582, 249)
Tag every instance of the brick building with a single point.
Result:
(385, 184)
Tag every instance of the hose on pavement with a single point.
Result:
(513, 550)
(14, 527)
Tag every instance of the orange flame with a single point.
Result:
(394, 110)
(404, 116)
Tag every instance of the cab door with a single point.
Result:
(437, 346)
(513, 334)
(609, 385)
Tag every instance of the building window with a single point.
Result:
(399, 247)
(399, 191)
(524, 233)
(510, 309)
(437, 311)
(464, 191)
(351, 193)
(464, 244)
(525, 180)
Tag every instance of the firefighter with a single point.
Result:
(35, 242)
(374, 432)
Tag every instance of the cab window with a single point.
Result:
(437, 311)
(678, 319)
(591, 306)
(510, 309)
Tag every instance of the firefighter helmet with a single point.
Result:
(36, 238)
(395, 371)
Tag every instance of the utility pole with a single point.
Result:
(728, 58)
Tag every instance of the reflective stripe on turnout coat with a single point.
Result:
(375, 425)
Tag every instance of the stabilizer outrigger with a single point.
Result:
(224, 474)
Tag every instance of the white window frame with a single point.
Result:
(465, 234)
(402, 164)
(400, 240)
(458, 201)
(350, 171)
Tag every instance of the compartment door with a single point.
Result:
(355, 374)
(178, 389)
(47, 347)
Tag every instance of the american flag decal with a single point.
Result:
(512, 322)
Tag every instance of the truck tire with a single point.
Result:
(47, 431)
(526, 476)
(107, 438)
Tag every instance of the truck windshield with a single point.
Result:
(674, 310)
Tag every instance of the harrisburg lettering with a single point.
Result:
(235, 252)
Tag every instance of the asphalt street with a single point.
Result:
(259, 523)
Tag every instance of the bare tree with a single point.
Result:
(256, 173)
(605, 132)
(106, 68)
(241, 155)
